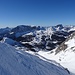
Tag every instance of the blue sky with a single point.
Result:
(36, 12)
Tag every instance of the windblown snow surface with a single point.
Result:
(15, 62)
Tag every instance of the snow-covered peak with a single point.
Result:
(25, 28)
(59, 27)
(50, 30)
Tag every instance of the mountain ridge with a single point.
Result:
(42, 38)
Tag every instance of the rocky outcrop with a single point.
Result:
(64, 46)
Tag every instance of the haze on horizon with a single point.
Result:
(36, 12)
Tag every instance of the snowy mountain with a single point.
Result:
(67, 44)
(36, 38)
(44, 39)
(34, 47)
(5, 30)
(64, 54)
(17, 62)
(23, 29)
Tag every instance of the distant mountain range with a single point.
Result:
(36, 38)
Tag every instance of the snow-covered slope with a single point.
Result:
(67, 54)
(14, 62)
(9, 41)
(65, 58)
(64, 54)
